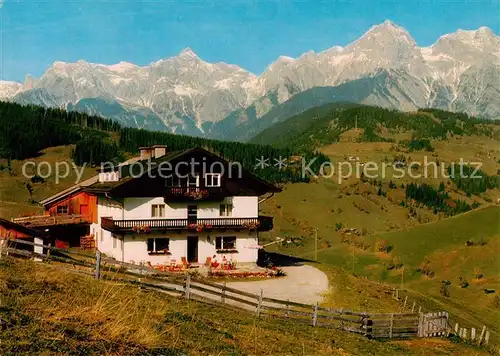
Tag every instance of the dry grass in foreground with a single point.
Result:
(48, 310)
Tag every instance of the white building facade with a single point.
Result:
(156, 221)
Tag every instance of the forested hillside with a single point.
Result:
(325, 124)
(28, 129)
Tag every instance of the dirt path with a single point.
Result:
(303, 284)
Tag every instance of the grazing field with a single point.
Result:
(46, 309)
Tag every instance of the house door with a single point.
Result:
(192, 214)
(192, 249)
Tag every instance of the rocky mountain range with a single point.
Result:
(184, 94)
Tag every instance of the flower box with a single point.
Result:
(251, 225)
(141, 228)
(227, 250)
(162, 252)
(196, 194)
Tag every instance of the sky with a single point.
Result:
(251, 34)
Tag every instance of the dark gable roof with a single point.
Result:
(126, 171)
(25, 230)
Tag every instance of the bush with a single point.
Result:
(37, 179)
(444, 290)
(338, 226)
(383, 246)
(425, 269)
(463, 282)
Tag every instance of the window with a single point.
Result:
(212, 180)
(158, 246)
(225, 244)
(62, 209)
(158, 210)
(193, 180)
(226, 210)
(173, 181)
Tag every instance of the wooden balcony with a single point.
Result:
(52, 220)
(194, 193)
(262, 223)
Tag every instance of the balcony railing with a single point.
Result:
(262, 223)
(50, 220)
(194, 193)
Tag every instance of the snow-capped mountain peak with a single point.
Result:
(8, 89)
(185, 92)
(121, 67)
(188, 53)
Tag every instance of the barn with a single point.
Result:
(10, 230)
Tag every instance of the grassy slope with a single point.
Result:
(302, 207)
(14, 197)
(53, 311)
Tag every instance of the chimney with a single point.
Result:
(146, 152)
(159, 151)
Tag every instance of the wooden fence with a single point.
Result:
(439, 324)
(372, 325)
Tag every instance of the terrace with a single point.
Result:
(261, 223)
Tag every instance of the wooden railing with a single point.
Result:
(262, 223)
(372, 325)
(49, 220)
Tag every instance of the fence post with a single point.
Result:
(482, 335)
(3, 246)
(223, 296)
(421, 332)
(406, 299)
(48, 250)
(97, 264)
(465, 334)
(187, 288)
(287, 312)
(413, 307)
(368, 327)
(473, 334)
(391, 326)
(419, 310)
(259, 305)
(447, 324)
(456, 328)
(315, 315)
(487, 338)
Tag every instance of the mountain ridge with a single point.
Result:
(459, 72)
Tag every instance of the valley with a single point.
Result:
(366, 234)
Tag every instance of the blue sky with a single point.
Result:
(250, 34)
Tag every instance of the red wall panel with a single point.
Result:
(78, 203)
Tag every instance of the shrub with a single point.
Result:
(338, 226)
(37, 179)
(463, 282)
(382, 246)
(425, 269)
(444, 290)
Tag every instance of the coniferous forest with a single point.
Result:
(28, 129)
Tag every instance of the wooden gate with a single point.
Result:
(433, 324)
